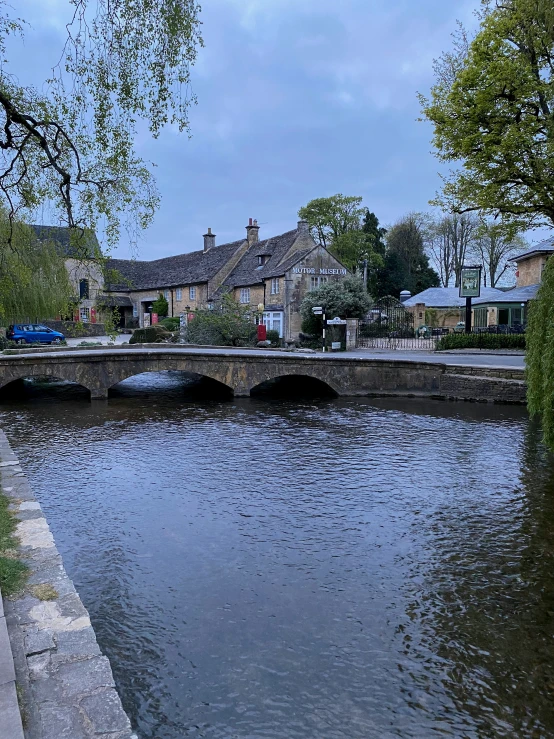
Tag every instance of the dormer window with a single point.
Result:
(262, 259)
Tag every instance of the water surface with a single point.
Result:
(318, 568)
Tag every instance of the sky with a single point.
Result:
(297, 99)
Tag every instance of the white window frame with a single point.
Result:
(192, 293)
(275, 286)
(179, 294)
(318, 282)
(245, 295)
(84, 314)
(167, 295)
(270, 318)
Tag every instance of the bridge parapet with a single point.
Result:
(241, 371)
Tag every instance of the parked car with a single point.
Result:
(33, 333)
(460, 327)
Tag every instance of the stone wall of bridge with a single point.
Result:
(98, 371)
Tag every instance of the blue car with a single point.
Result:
(33, 333)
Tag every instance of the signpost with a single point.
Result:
(318, 310)
(470, 287)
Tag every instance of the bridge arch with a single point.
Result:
(210, 381)
(120, 371)
(283, 383)
(15, 386)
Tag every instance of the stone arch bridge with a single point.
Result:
(243, 370)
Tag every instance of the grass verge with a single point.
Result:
(12, 571)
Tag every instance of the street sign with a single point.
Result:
(336, 322)
(317, 309)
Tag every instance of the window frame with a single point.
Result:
(192, 292)
(179, 294)
(84, 294)
(275, 286)
(245, 296)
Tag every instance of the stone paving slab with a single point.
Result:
(67, 686)
(10, 717)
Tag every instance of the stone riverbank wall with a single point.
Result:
(65, 685)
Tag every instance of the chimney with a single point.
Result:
(252, 231)
(303, 228)
(209, 240)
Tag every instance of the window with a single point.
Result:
(84, 314)
(275, 286)
(178, 294)
(480, 317)
(192, 293)
(245, 295)
(317, 282)
(83, 290)
(166, 294)
(273, 321)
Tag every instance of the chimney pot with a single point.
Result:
(249, 221)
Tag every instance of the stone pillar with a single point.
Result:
(351, 333)
(99, 393)
(419, 315)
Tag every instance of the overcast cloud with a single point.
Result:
(297, 99)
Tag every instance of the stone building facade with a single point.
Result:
(271, 276)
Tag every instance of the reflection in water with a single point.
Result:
(317, 568)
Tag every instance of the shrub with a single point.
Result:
(228, 324)
(160, 306)
(343, 298)
(150, 335)
(274, 337)
(171, 323)
(481, 341)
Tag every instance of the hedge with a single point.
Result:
(481, 341)
(150, 335)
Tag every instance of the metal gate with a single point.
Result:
(389, 325)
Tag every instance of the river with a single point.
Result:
(315, 567)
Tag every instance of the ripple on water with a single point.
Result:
(318, 569)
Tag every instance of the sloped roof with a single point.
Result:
(182, 269)
(449, 297)
(515, 295)
(70, 243)
(544, 247)
(248, 272)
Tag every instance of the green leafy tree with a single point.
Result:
(540, 354)
(228, 323)
(332, 217)
(492, 108)
(353, 248)
(343, 298)
(348, 230)
(34, 284)
(71, 143)
(406, 266)
(160, 306)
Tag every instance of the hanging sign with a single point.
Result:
(470, 282)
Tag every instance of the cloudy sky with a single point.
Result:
(297, 99)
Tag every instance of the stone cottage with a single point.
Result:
(272, 276)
